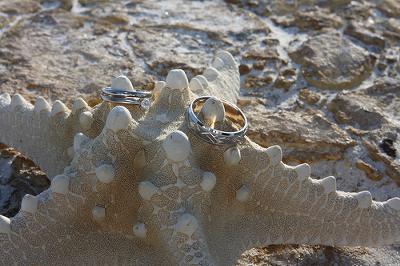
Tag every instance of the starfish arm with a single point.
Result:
(36, 231)
(221, 79)
(88, 199)
(260, 200)
(338, 218)
(283, 205)
(226, 84)
(59, 231)
(44, 133)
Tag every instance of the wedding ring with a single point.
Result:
(212, 135)
(141, 98)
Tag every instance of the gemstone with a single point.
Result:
(145, 104)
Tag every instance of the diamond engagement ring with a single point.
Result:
(233, 114)
(141, 98)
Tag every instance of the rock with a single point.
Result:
(387, 146)
(279, 7)
(303, 255)
(117, 19)
(310, 19)
(267, 54)
(244, 69)
(253, 82)
(303, 135)
(390, 7)
(364, 35)
(36, 39)
(89, 2)
(372, 114)
(285, 79)
(331, 61)
(64, 4)
(371, 108)
(19, 7)
(369, 170)
(309, 96)
(18, 176)
(334, 3)
(356, 110)
(84, 49)
(391, 168)
(392, 56)
(243, 102)
(259, 65)
(383, 88)
(393, 25)
(233, 1)
(284, 82)
(4, 21)
(357, 11)
(270, 41)
(381, 66)
(288, 71)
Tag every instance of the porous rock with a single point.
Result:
(331, 61)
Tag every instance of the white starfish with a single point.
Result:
(127, 189)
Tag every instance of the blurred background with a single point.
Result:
(320, 78)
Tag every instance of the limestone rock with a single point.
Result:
(369, 170)
(390, 7)
(19, 7)
(392, 169)
(18, 176)
(309, 96)
(331, 61)
(300, 135)
(310, 19)
(285, 79)
(393, 25)
(364, 35)
(244, 69)
(356, 110)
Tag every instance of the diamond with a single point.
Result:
(145, 104)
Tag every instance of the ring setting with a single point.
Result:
(215, 136)
(135, 97)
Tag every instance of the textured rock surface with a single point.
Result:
(60, 50)
(18, 176)
(293, 131)
(331, 61)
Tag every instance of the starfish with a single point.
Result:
(134, 187)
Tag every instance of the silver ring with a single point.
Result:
(141, 98)
(215, 136)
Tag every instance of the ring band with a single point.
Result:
(137, 97)
(215, 136)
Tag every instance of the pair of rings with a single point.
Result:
(140, 98)
(209, 134)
